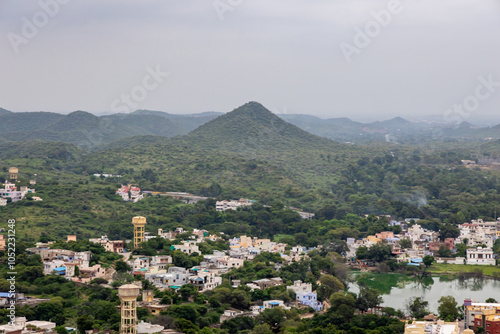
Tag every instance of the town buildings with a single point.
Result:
(481, 256)
(432, 327)
(476, 314)
(232, 205)
(130, 193)
(10, 191)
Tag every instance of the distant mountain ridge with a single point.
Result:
(397, 130)
(87, 130)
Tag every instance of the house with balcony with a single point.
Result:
(205, 280)
(309, 299)
(174, 277)
(480, 256)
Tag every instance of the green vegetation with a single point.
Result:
(455, 269)
(248, 153)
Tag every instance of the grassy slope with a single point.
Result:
(454, 269)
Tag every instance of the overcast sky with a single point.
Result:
(310, 57)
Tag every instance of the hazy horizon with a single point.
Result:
(366, 60)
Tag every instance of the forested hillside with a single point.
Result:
(279, 165)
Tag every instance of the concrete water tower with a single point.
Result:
(128, 296)
(139, 229)
(13, 173)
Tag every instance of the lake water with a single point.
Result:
(397, 289)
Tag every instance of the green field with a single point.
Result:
(445, 268)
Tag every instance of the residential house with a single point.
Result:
(10, 191)
(480, 256)
(228, 262)
(188, 247)
(161, 261)
(171, 234)
(174, 277)
(265, 283)
(130, 193)
(89, 273)
(309, 299)
(205, 280)
(116, 246)
(300, 287)
(138, 263)
(268, 304)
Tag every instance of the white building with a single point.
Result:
(439, 327)
(10, 191)
(161, 261)
(139, 263)
(268, 304)
(187, 247)
(480, 256)
(176, 276)
(3, 202)
(232, 205)
(20, 323)
(205, 280)
(148, 328)
(300, 287)
(309, 299)
(228, 262)
(130, 193)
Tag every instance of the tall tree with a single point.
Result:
(448, 308)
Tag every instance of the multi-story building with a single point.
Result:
(170, 235)
(480, 256)
(161, 261)
(116, 246)
(205, 280)
(139, 263)
(10, 191)
(473, 309)
(130, 193)
(300, 287)
(309, 299)
(174, 277)
(489, 321)
(188, 247)
(228, 262)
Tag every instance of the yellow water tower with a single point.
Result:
(139, 228)
(13, 173)
(128, 296)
